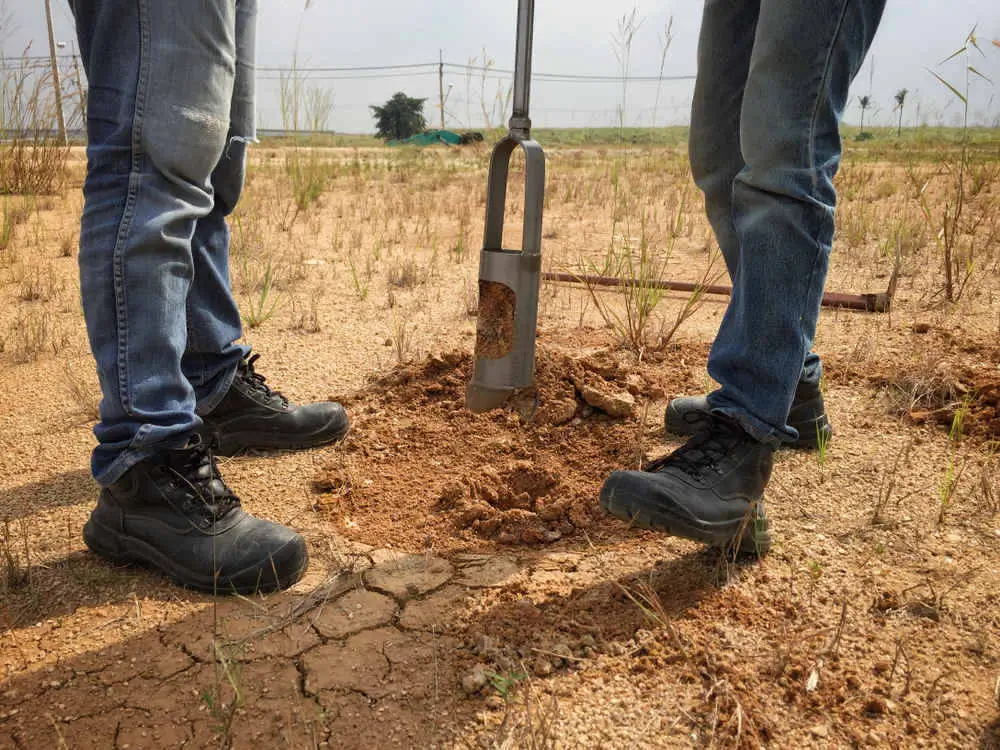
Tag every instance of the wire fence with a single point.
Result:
(470, 96)
(461, 96)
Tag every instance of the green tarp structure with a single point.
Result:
(429, 138)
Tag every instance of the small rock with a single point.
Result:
(482, 645)
(820, 730)
(550, 511)
(542, 667)
(495, 703)
(452, 494)
(557, 412)
(614, 648)
(475, 513)
(618, 404)
(475, 681)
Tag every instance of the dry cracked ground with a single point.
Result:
(465, 591)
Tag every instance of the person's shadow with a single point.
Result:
(991, 735)
(55, 491)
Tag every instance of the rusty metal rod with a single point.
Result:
(878, 302)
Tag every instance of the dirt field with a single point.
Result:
(465, 589)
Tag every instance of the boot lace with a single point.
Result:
(701, 454)
(256, 382)
(208, 499)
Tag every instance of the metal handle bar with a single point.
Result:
(520, 123)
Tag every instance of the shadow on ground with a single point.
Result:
(373, 657)
(57, 491)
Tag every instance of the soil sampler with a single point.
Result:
(509, 279)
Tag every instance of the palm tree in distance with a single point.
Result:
(865, 102)
(900, 101)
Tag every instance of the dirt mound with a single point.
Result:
(516, 475)
(935, 389)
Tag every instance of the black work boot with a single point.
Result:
(687, 415)
(174, 513)
(252, 416)
(709, 490)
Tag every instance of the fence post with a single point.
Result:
(55, 75)
(441, 84)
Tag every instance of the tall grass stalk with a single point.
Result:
(32, 158)
(304, 106)
(947, 226)
(665, 40)
(954, 468)
(262, 301)
(621, 43)
(7, 224)
(360, 285)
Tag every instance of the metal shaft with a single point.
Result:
(520, 122)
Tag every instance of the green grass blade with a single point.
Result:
(955, 91)
(985, 78)
(954, 54)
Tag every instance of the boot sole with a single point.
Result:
(234, 443)
(120, 548)
(674, 422)
(750, 535)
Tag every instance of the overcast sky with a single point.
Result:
(573, 37)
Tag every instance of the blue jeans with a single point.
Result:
(170, 111)
(772, 84)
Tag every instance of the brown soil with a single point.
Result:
(953, 376)
(464, 590)
(493, 476)
(496, 327)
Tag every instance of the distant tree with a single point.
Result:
(865, 102)
(900, 101)
(400, 117)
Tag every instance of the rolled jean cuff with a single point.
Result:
(759, 430)
(129, 457)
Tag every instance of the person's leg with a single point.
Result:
(804, 59)
(161, 78)
(724, 48)
(710, 489)
(213, 318)
(238, 409)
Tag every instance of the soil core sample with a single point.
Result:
(495, 328)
